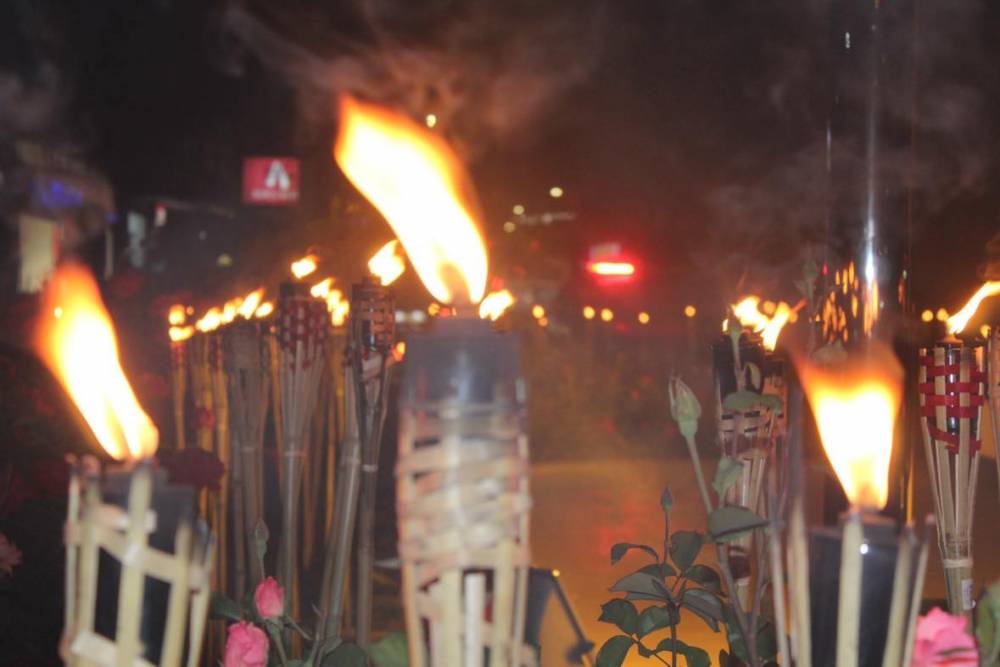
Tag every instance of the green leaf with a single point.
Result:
(767, 643)
(755, 375)
(345, 655)
(224, 608)
(741, 401)
(641, 582)
(613, 653)
(728, 523)
(988, 625)
(620, 549)
(726, 474)
(684, 548)
(705, 605)
(706, 576)
(621, 613)
(661, 570)
(697, 657)
(694, 656)
(652, 619)
(390, 651)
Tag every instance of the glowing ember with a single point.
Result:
(958, 321)
(177, 315)
(495, 304)
(418, 184)
(387, 263)
(321, 290)
(80, 349)
(210, 321)
(304, 267)
(180, 334)
(769, 328)
(611, 268)
(264, 309)
(855, 405)
(250, 303)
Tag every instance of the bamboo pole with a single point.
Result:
(993, 391)
(952, 387)
(221, 524)
(248, 369)
(849, 600)
(178, 382)
(901, 596)
(301, 329)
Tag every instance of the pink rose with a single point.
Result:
(942, 640)
(246, 646)
(269, 598)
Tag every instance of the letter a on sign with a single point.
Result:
(271, 180)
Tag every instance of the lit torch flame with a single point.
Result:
(387, 264)
(210, 321)
(855, 405)
(78, 345)
(495, 304)
(249, 304)
(769, 328)
(338, 306)
(418, 184)
(958, 321)
(321, 290)
(304, 266)
(177, 315)
(180, 334)
(264, 310)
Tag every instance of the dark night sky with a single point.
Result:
(686, 129)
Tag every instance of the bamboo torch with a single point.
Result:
(301, 323)
(370, 356)
(462, 469)
(179, 334)
(248, 374)
(952, 393)
(865, 575)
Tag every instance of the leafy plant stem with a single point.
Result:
(673, 647)
(722, 554)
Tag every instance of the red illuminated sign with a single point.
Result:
(609, 265)
(271, 180)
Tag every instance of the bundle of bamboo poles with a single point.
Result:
(859, 536)
(93, 527)
(951, 388)
(178, 384)
(993, 390)
(368, 361)
(747, 435)
(463, 500)
(220, 501)
(302, 327)
(248, 371)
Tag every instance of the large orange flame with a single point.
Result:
(76, 339)
(958, 321)
(418, 184)
(769, 328)
(495, 304)
(387, 264)
(855, 405)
